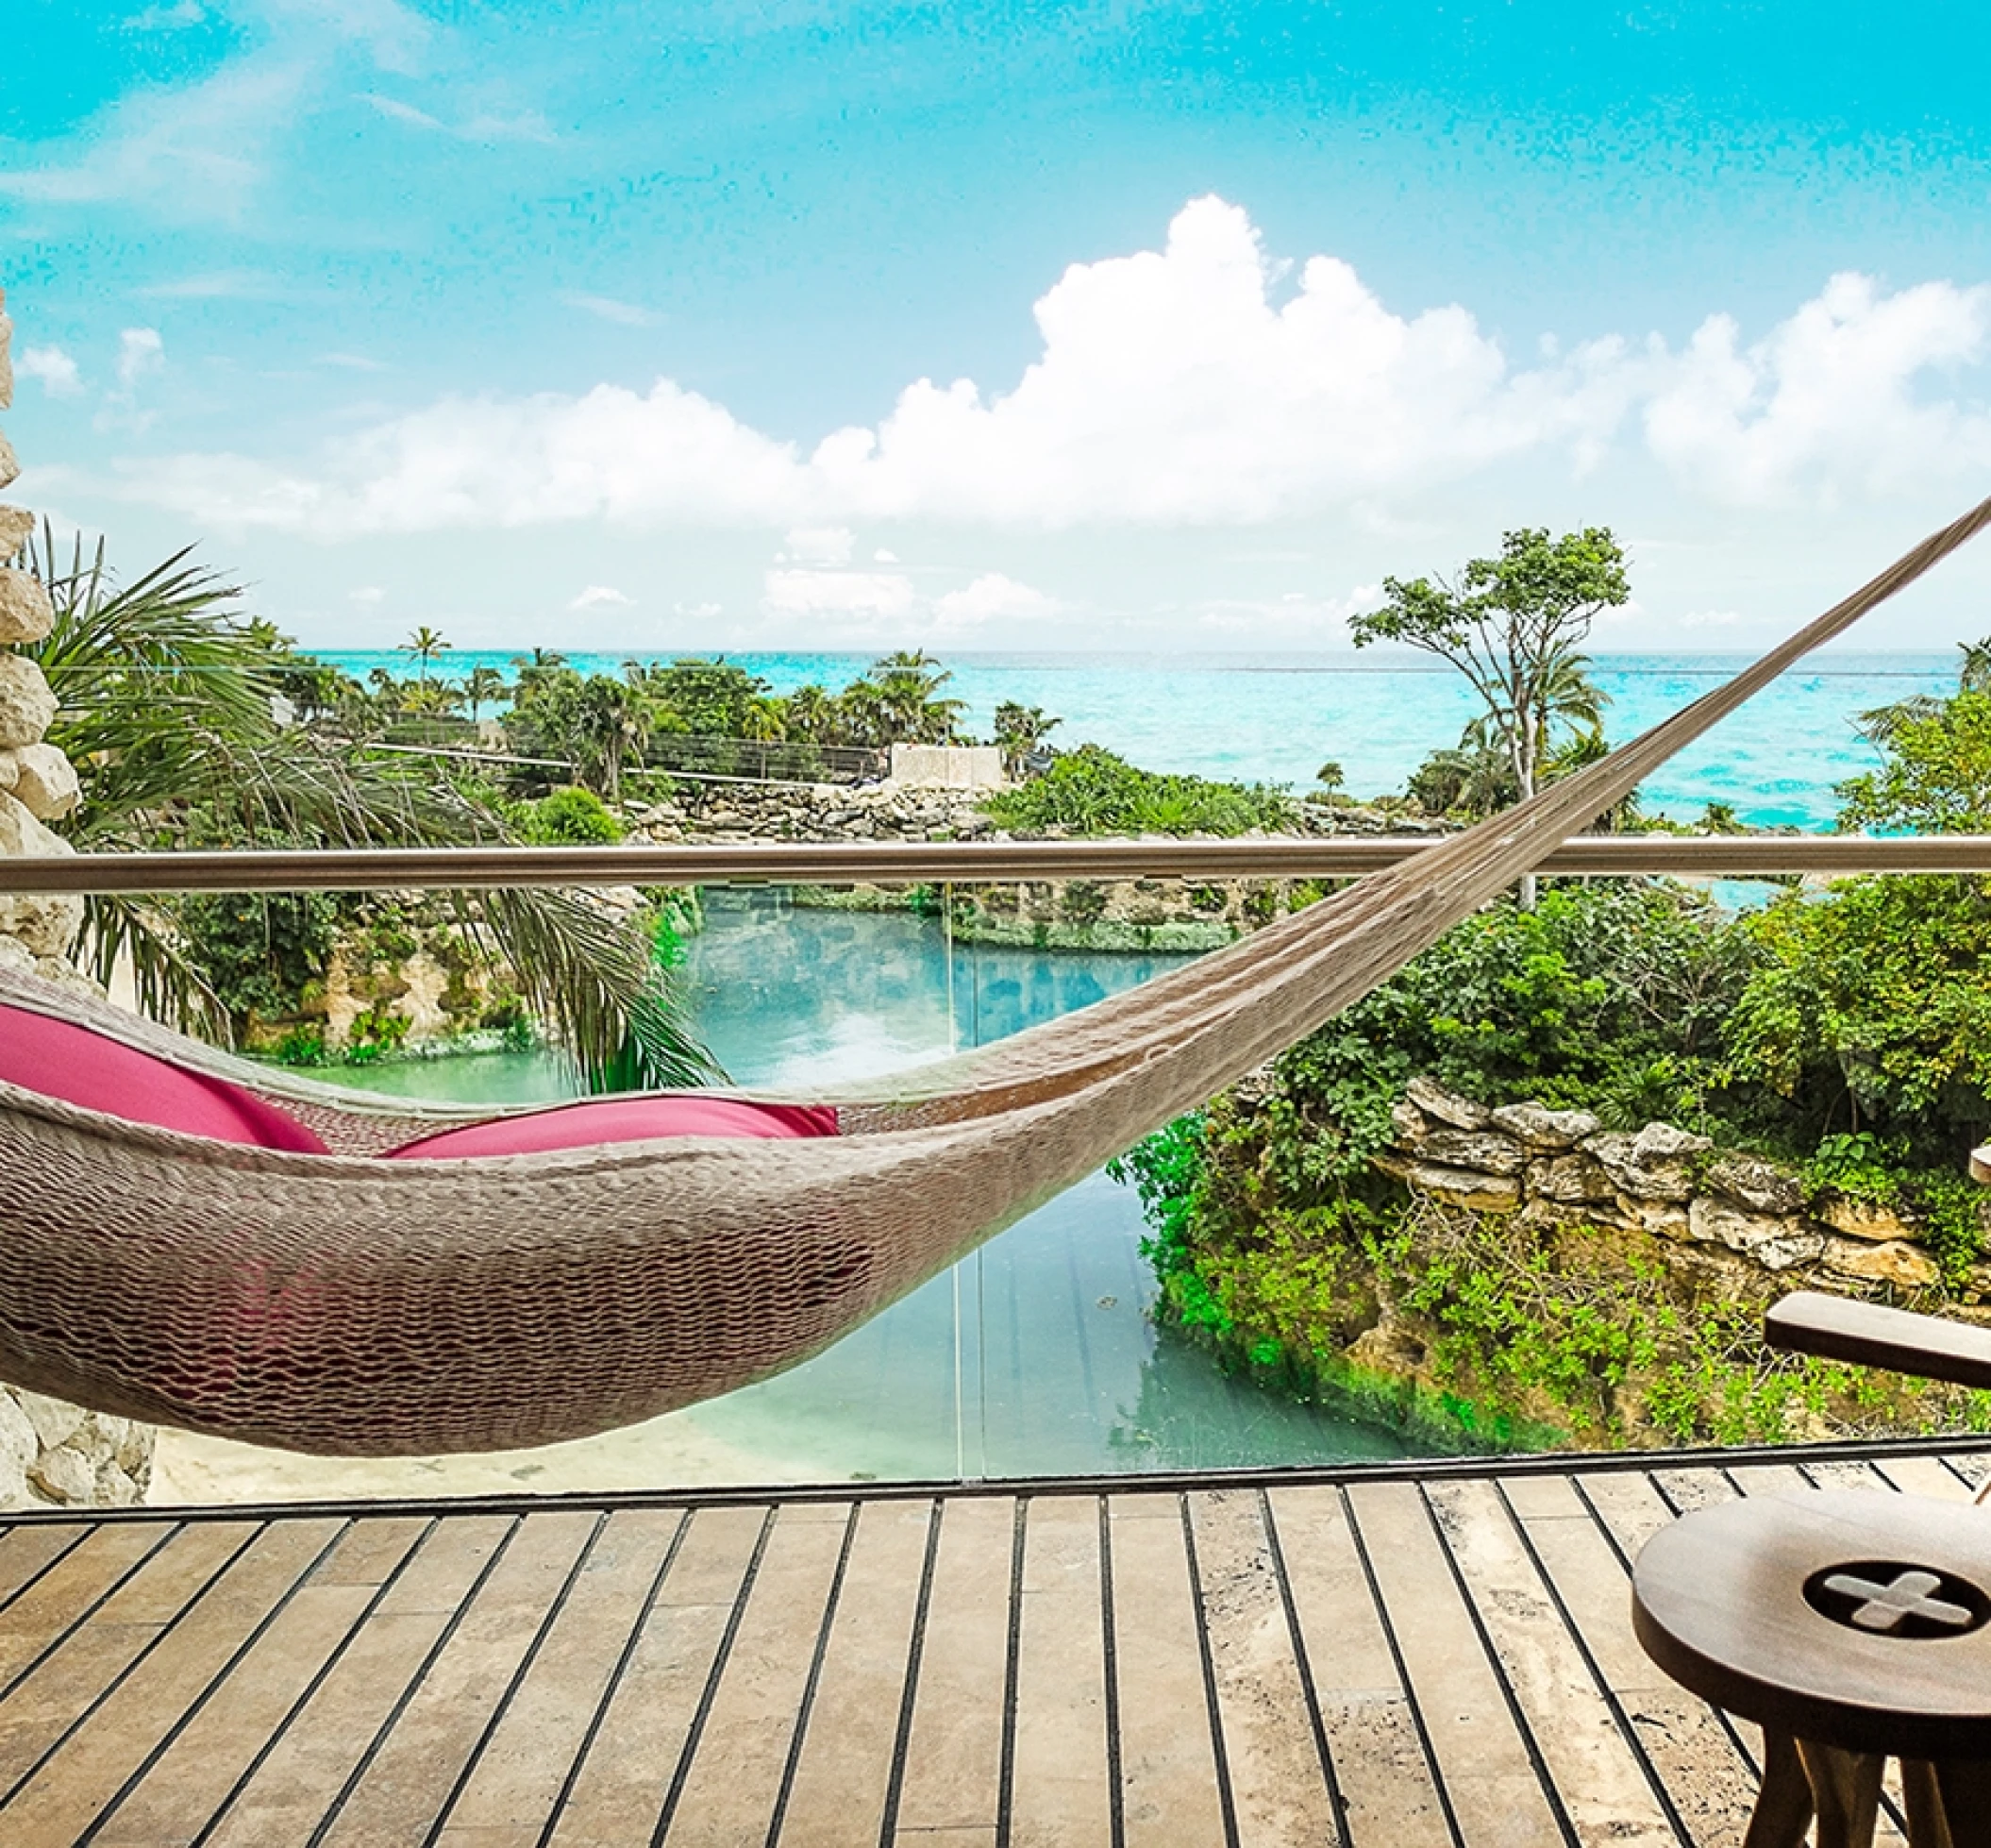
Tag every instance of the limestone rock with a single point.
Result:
(9, 772)
(44, 781)
(1757, 1184)
(23, 836)
(1861, 1219)
(19, 1446)
(1447, 1106)
(1642, 1177)
(45, 924)
(1480, 1193)
(1776, 1243)
(55, 1421)
(28, 708)
(25, 613)
(1484, 1153)
(1663, 1218)
(15, 958)
(1410, 1123)
(16, 525)
(65, 1477)
(1575, 1179)
(1542, 1128)
(9, 463)
(1659, 1142)
(1904, 1265)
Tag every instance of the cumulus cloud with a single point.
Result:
(58, 373)
(366, 593)
(813, 593)
(140, 350)
(1835, 400)
(992, 601)
(596, 595)
(1186, 385)
(820, 545)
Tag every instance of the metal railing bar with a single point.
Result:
(359, 870)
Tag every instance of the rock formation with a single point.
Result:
(51, 1454)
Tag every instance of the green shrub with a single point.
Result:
(1090, 790)
(571, 817)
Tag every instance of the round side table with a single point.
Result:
(1854, 1627)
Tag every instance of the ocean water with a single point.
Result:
(1278, 718)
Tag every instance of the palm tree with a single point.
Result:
(612, 724)
(164, 709)
(908, 684)
(1019, 730)
(483, 686)
(425, 644)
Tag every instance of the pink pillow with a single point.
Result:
(96, 1072)
(604, 1120)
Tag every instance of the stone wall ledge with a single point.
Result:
(1559, 1167)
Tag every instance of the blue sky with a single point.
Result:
(607, 324)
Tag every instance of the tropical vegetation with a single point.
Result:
(192, 725)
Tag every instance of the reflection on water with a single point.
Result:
(1035, 1356)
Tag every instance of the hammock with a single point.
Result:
(343, 1304)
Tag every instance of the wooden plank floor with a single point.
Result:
(1384, 1659)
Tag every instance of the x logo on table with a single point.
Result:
(1884, 1606)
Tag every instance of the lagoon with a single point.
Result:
(1036, 1355)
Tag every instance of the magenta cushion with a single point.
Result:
(605, 1120)
(96, 1072)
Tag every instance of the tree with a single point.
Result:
(613, 726)
(910, 701)
(165, 711)
(483, 686)
(1512, 625)
(1019, 730)
(425, 644)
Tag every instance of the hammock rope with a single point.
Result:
(339, 1303)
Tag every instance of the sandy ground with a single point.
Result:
(668, 1453)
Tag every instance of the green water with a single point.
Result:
(1038, 1355)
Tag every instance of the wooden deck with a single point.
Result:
(1404, 1657)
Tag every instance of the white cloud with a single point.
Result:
(882, 557)
(486, 126)
(353, 363)
(175, 18)
(992, 601)
(806, 593)
(140, 351)
(1833, 403)
(366, 593)
(597, 594)
(819, 546)
(1174, 388)
(606, 308)
(57, 371)
(1296, 619)
(221, 285)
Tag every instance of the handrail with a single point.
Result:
(833, 862)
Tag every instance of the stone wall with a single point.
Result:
(51, 1454)
(1719, 1211)
(1134, 915)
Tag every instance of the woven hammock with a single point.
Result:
(341, 1304)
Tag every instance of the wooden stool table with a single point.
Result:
(1854, 1627)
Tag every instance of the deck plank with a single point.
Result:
(1482, 1757)
(1279, 1785)
(141, 1711)
(1059, 1794)
(741, 1756)
(1169, 1776)
(1373, 1746)
(843, 1774)
(1439, 1660)
(625, 1774)
(518, 1775)
(1603, 1782)
(405, 1787)
(954, 1750)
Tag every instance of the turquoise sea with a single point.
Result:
(1277, 719)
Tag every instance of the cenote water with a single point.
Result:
(1037, 1355)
